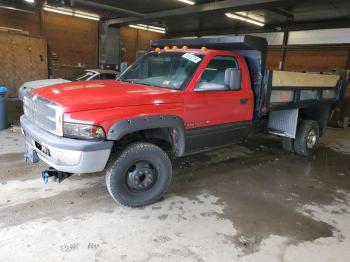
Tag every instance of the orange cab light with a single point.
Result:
(166, 47)
(157, 49)
(203, 49)
(174, 47)
(185, 47)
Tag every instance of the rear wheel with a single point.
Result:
(140, 175)
(307, 138)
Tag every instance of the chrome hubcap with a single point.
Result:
(311, 139)
(141, 176)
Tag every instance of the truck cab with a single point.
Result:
(186, 96)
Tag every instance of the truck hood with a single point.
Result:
(43, 82)
(92, 95)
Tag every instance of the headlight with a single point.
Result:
(83, 131)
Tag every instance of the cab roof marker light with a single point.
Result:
(245, 19)
(187, 2)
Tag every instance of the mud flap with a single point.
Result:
(284, 122)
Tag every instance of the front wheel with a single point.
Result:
(140, 175)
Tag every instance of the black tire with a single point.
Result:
(288, 144)
(123, 176)
(308, 130)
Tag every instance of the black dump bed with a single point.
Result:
(273, 90)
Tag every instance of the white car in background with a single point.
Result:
(89, 74)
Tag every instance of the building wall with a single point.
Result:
(27, 21)
(22, 58)
(72, 42)
(310, 58)
(133, 40)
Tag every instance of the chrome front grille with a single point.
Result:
(43, 113)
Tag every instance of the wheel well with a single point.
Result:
(320, 114)
(165, 138)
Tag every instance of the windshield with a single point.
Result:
(166, 69)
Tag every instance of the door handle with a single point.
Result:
(244, 101)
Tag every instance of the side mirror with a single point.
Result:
(233, 78)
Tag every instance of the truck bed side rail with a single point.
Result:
(298, 90)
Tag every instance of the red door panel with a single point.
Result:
(208, 108)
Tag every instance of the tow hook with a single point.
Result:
(57, 176)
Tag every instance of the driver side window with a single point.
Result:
(213, 77)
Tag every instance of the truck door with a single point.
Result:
(214, 114)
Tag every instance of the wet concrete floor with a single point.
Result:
(249, 202)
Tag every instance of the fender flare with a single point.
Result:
(131, 125)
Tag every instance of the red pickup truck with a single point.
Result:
(186, 96)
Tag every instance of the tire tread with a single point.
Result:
(122, 156)
(300, 146)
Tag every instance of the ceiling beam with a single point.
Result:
(108, 8)
(283, 12)
(232, 5)
(268, 28)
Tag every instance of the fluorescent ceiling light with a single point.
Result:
(96, 18)
(30, 1)
(245, 19)
(58, 11)
(65, 11)
(187, 2)
(156, 29)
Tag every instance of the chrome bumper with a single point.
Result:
(65, 154)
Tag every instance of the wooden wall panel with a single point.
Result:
(316, 59)
(273, 58)
(22, 58)
(26, 21)
(129, 44)
(133, 40)
(72, 42)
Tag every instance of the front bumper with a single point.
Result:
(66, 154)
